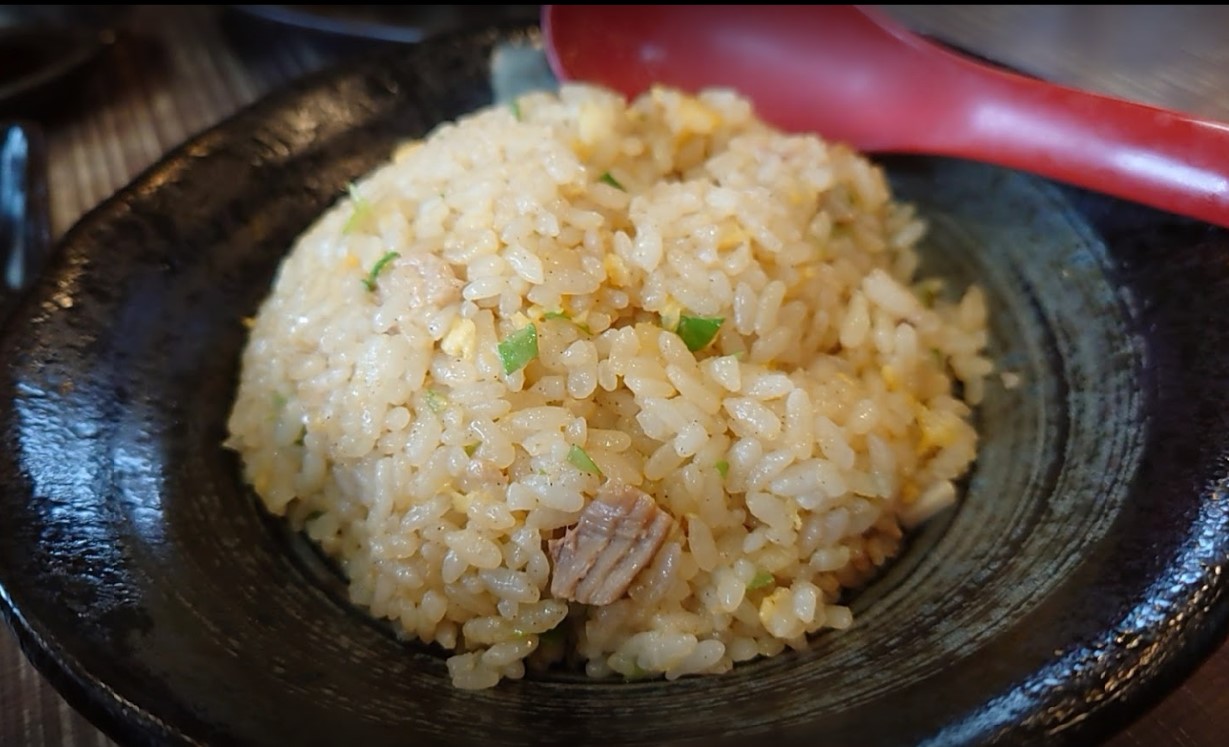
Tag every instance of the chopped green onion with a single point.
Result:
(698, 331)
(761, 579)
(582, 461)
(377, 268)
(723, 467)
(518, 348)
(362, 208)
(608, 178)
(515, 106)
(637, 673)
(435, 400)
(470, 449)
(277, 401)
(565, 316)
(928, 291)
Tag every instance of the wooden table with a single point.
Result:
(177, 71)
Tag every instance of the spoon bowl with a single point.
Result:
(854, 75)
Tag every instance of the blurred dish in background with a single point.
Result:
(391, 23)
(41, 66)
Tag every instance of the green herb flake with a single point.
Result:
(761, 579)
(377, 268)
(928, 291)
(362, 208)
(565, 316)
(470, 449)
(435, 400)
(608, 178)
(698, 331)
(637, 673)
(723, 467)
(279, 400)
(582, 461)
(515, 107)
(313, 516)
(518, 348)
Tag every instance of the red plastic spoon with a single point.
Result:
(849, 73)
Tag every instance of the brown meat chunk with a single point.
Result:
(616, 537)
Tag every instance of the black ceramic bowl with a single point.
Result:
(1079, 580)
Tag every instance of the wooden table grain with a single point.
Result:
(176, 71)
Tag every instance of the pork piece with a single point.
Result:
(618, 534)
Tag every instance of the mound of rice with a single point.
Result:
(537, 301)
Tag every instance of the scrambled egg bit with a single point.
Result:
(940, 428)
(689, 116)
(461, 340)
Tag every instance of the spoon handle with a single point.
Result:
(1157, 157)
